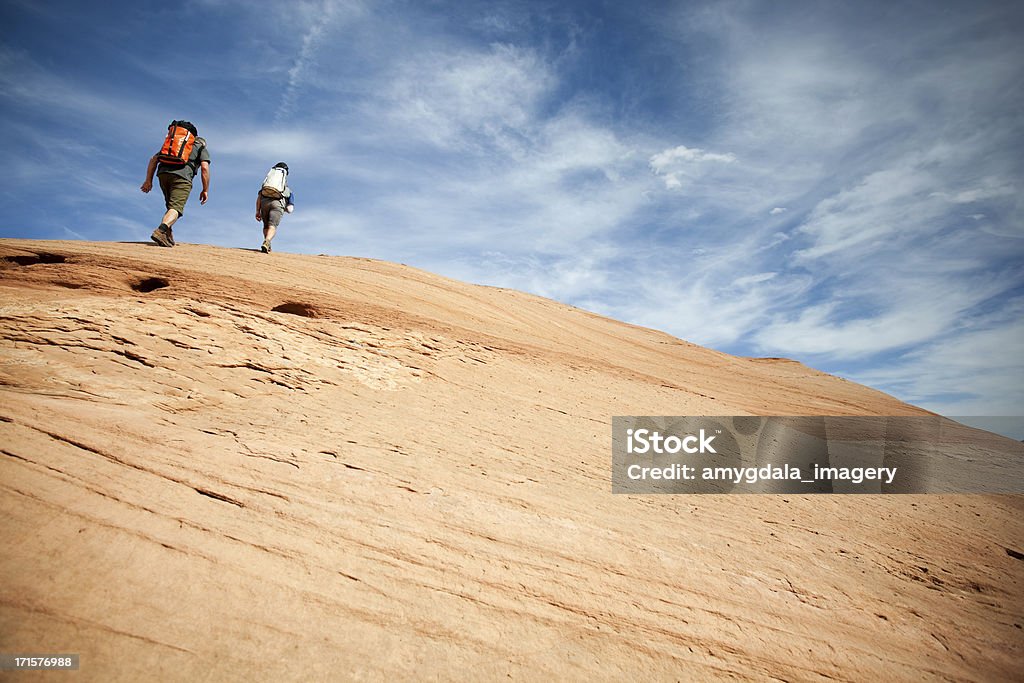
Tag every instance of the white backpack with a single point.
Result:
(274, 183)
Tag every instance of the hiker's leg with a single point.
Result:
(176, 190)
(169, 217)
(272, 212)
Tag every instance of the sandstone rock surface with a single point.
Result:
(217, 464)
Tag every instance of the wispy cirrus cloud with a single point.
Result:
(319, 17)
(467, 98)
(973, 371)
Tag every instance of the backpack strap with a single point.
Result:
(197, 150)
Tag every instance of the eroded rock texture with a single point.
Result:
(222, 465)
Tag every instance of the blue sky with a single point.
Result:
(835, 182)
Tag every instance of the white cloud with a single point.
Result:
(565, 277)
(887, 204)
(261, 144)
(971, 372)
(871, 311)
(679, 165)
(820, 330)
(470, 99)
(701, 311)
(670, 157)
(777, 210)
(987, 188)
(757, 278)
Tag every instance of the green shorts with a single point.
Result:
(176, 191)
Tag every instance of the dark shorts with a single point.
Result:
(271, 210)
(176, 191)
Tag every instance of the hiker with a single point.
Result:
(274, 199)
(175, 165)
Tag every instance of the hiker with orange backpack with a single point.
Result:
(274, 199)
(182, 153)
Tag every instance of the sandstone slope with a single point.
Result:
(224, 465)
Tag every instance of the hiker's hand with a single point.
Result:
(259, 217)
(147, 186)
(203, 196)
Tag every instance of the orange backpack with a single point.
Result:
(177, 148)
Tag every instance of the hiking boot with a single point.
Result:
(265, 248)
(162, 236)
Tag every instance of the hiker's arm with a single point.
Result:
(205, 173)
(147, 184)
(259, 214)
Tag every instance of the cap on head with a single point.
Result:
(281, 164)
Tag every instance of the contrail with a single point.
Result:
(306, 57)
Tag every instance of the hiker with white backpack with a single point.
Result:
(275, 199)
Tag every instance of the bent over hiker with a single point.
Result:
(275, 198)
(183, 152)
